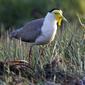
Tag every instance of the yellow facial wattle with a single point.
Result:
(59, 20)
(59, 16)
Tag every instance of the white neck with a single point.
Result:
(49, 27)
(50, 19)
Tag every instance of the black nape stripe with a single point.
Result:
(53, 9)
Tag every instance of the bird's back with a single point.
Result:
(30, 31)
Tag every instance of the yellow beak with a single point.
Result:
(64, 18)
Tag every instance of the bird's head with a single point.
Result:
(58, 15)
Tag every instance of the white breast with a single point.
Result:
(48, 29)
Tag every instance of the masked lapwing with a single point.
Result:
(40, 31)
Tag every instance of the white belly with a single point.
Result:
(48, 30)
(47, 35)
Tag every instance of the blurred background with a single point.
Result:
(14, 13)
(68, 48)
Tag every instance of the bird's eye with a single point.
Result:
(55, 13)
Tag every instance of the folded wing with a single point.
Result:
(30, 31)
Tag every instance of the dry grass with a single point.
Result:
(68, 47)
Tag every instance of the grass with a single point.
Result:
(68, 47)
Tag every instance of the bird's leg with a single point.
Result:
(30, 54)
(41, 51)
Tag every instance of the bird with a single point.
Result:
(40, 31)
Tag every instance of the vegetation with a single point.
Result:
(68, 48)
(14, 13)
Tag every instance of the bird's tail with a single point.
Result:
(13, 34)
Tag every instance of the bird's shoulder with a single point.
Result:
(34, 24)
